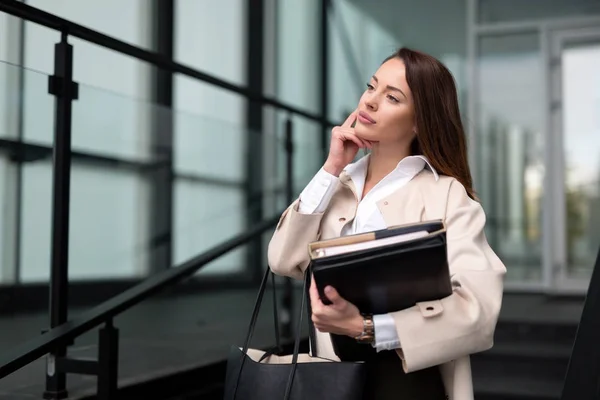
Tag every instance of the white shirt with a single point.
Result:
(318, 193)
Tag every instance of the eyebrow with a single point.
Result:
(390, 87)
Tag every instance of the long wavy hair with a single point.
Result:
(440, 133)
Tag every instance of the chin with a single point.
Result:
(365, 132)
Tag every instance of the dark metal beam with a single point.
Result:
(325, 82)
(61, 85)
(18, 217)
(161, 198)
(254, 138)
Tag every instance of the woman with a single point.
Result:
(416, 170)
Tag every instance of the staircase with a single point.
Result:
(528, 361)
(179, 357)
(530, 357)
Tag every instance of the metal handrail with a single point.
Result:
(29, 13)
(62, 335)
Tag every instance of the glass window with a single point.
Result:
(106, 223)
(211, 138)
(516, 10)
(510, 152)
(93, 65)
(109, 194)
(581, 146)
(10, 38)
(128, 21)
(210, 36)
(298, 54)
(363, 35)
(205, 216)
(101, 73)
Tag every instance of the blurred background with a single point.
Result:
(186, 129)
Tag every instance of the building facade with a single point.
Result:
(528, 75)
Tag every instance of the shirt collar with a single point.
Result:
(407, 167)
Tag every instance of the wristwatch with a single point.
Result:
(368, 333)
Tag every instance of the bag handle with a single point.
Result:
(288, 390)
(256, 311)
(253, 319)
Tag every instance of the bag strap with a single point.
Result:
(256, 311)
(312, 337)
(254, 318)
(276, 316)
(288, 390)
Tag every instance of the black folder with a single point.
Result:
(388, 270)
(382, 271)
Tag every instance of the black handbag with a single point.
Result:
(255, 374)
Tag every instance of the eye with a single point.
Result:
(392, 98)
(370, 87)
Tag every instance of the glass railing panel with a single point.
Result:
(212, 201)
(110, 187)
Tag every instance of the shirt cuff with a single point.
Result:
(386, 335)
(317, 194)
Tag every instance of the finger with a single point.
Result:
(366, 143)
(333, 296)
(315, 300)
(352, 137)
(350, 120)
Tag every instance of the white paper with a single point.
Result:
(348, 248)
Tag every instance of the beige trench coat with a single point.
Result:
(442, 333)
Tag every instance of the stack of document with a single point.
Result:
(386, 270)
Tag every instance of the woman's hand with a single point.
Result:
(341, 317)
(344, 146)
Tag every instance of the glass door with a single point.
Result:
(575, 161)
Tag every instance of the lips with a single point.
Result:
(365, 118)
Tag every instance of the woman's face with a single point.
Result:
(386, 110)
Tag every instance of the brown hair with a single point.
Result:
(440, 134)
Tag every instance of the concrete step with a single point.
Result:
(520, 371)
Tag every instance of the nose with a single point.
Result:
(371, 104)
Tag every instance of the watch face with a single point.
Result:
(365, 339)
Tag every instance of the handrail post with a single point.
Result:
(287, 316)
(60, 85)
(108, 361)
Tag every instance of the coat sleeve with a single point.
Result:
(288, 249)
(436, 332)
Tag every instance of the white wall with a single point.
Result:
(210, 134)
